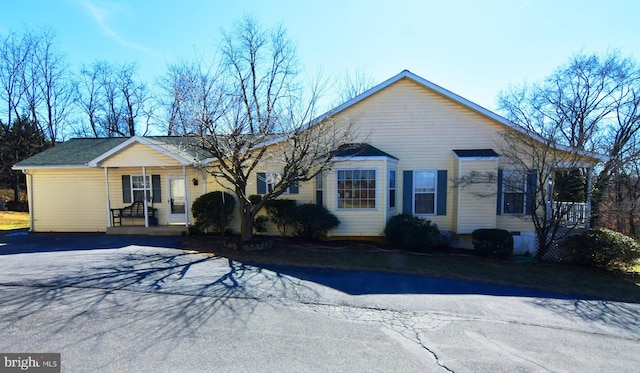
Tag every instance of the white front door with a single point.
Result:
(177, 202)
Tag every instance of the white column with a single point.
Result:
(186, 196)
(588, 198)
(106, 178)
(146, 204)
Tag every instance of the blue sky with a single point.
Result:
(473, 48)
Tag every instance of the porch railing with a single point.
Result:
(574, 214)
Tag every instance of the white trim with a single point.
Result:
(462, 159)
(366, 158)
(140, 140)
(22, 168)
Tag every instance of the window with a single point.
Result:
(267, 181)
(272, 179)
(356, 189)
(319, 189)
(140, 188)
(513, 192)
(392, 189)
(424, 192)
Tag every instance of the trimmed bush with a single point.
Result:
(313, 221)
(601, 248)
(493, 242)
(213, 210)
(280, 213)
(260, 224)
(412, 233)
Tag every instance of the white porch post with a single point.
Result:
(106, 178)
(146, 204)
(186, 196)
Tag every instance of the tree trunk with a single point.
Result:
(246, 222)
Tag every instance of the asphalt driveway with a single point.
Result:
(111, 303)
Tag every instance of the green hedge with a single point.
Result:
(493, 242)
(213, 210)
(601, 248)
(413, 233)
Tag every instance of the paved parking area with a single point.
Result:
(110, 303)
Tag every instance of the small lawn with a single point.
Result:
(13, 220)
(456, 264)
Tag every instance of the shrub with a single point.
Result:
(413, 233)
(214, 210)
(313, 221)
(601, 248)
(493, 242)
(280, 213)
(260, 224)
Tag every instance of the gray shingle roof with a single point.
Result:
(80, 151)
(74, 152)
(361, 150)
(473, 153)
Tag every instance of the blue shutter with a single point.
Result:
(126, 189)
(262, 183)
(157, 188)
(499, 199)
(294, 188)
(441, 198)
(407, 192)
(532, 184)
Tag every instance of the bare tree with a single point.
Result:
(113, 100)
(587, 105)
(252, 110)
(55, 85)
(15, 51)
(353, 84)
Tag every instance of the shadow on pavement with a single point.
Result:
(23, 242)
(364, 282)
(135, 285)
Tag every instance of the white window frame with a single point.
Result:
(392, 188)
(148, 188)
(375, 189)
(434, 192)
(509, 188)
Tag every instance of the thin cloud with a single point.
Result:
(103, 12)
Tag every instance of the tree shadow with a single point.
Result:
(180, 292)
(619, 315)
(24, 242)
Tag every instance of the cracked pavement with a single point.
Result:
(145, 307)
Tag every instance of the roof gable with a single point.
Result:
(91, 152)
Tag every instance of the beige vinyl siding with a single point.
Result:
(69, 200)
(138, 155)
(476, 207)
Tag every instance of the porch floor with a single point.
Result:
(159, 230)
